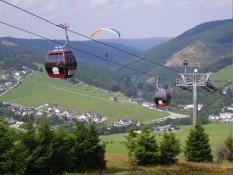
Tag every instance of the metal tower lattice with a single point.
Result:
(190, 81)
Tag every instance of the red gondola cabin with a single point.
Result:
(162, 98)
(60, 64)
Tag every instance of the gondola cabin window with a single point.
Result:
(60, 64)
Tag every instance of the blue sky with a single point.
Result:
(133, 18)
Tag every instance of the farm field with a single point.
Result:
(37, 89)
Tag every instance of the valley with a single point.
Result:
(38, 89)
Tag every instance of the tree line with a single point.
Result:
(143, 148)
(46, 151)
(50, 152)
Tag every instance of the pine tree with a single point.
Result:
(197, 147)
(6, 142)
(130, 144)
(18, 157)
(29, 141)
(146, 151)
(169, 148)
(229, 144)
(61, 158)
(96, 150)
(12, 155)
(88, 151)
(41, 155)
(80, 147)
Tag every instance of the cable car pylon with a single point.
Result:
(190, 81)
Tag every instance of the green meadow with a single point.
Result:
(223, 74)
(38, 88)
(118, 159)
(217, 134)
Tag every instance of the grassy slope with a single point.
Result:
(118, 160)
(38, 89)
(217, 134)
(223, 74)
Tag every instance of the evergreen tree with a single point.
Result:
(6, 142)
(169, 148)
(61, 158)
(88, 151)
(97, 149)
(30, 142)
(130, 144)
(197, 147)
(12, 155)
(229, 144)
(19, 160)
(146, 151)
(41, 162)
(80, 147)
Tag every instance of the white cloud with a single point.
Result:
(25, 2)
(184, 3)
(49, 7)
(44, 5)
(221, 3)
(79, 6)
(118, 3)
(95, 3)
(151, 2)
(129, 4)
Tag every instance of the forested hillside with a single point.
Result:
(204, 46)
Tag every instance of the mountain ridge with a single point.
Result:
(204, 44)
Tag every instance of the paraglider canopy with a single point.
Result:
(116, 32)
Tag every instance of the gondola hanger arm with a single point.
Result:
(65, 27)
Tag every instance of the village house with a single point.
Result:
(2, 88)
(4, 76)
(123, 122)
(214, 117)
(54, 107)
(15, 107)
(25, 67)
(97, 118)
(230, 107)
(226, 115)
(83, 117)
(191, 107)
(9, 84)
(89, 115)
(17, 74)
(38, 113)
(67, 112)
(166, 128)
